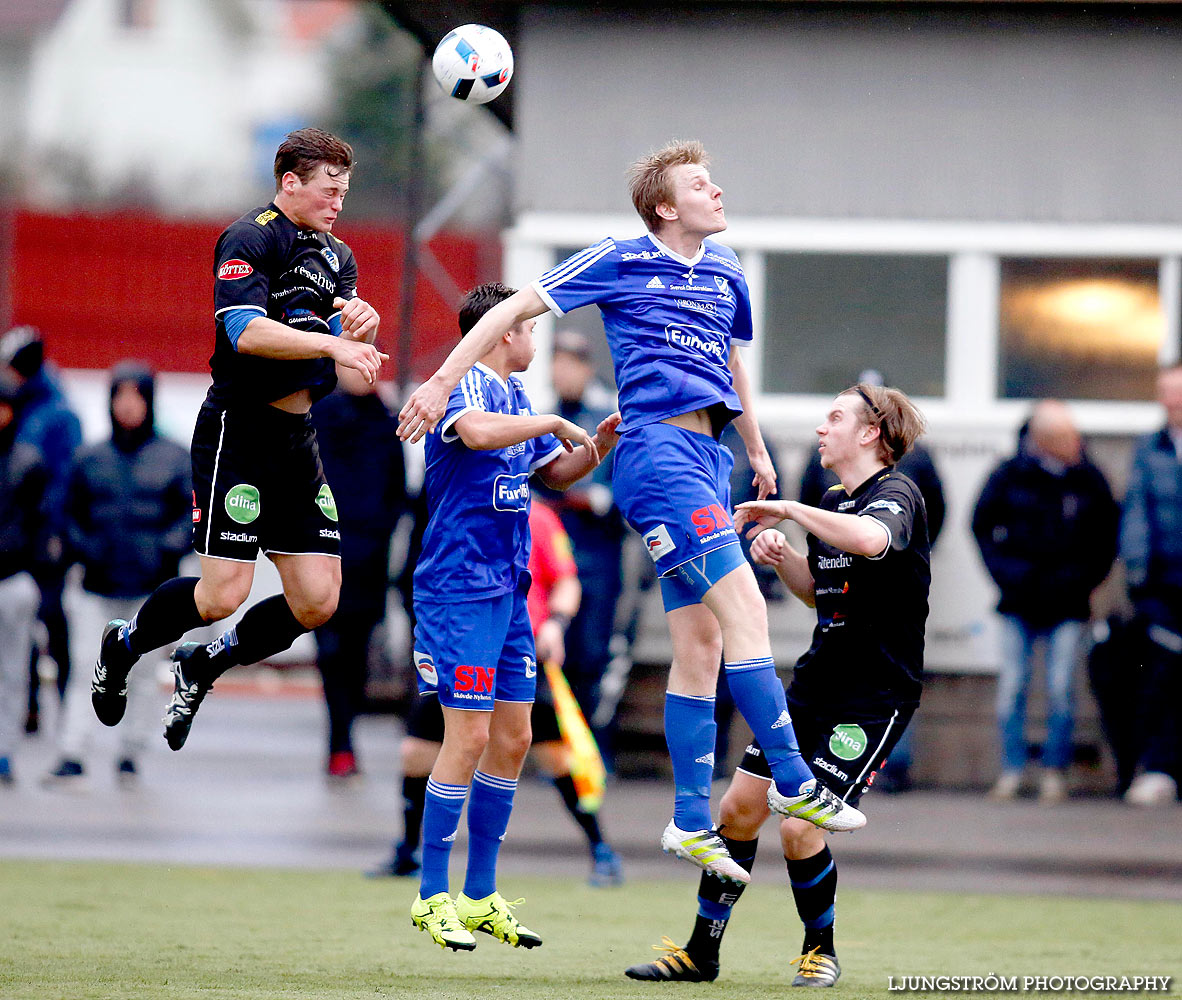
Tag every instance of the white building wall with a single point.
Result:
(167, 113)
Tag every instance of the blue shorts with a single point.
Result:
(674, 488)
(476, 652)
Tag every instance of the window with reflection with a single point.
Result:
(1079, 328)
(829, 317)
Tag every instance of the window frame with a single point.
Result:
(972, 332)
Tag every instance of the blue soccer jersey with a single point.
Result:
(669, 320)
(476, 545)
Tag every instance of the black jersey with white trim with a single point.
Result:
(867, 649)
(266, 265)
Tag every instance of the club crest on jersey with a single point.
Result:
(724, 287)
(426, 668)
(330, 255)
(234, 269)
(511, 493)
(658, 542)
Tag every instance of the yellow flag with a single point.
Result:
(587, 770)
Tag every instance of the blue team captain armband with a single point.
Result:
(334, 325)
(236, 319)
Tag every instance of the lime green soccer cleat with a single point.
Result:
(705, 849)
(494, 915)
(437, 916)
(818, 805)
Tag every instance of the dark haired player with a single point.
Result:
(473, 644)
(855, 689)
(285, 309)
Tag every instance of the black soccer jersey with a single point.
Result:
(266, 265)
(867, 649)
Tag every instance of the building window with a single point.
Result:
(1079, 328)
(829, 317)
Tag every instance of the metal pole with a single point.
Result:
(413, 203)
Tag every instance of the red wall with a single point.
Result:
(107, 287)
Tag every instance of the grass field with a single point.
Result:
(83, 931)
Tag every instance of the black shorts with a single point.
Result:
(425, 719)
(843, 754)
(258, 484)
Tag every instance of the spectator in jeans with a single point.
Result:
(128, 521)
(1046, 525)
(1151, 547)
(22, 486)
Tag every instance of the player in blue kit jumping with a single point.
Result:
(675, 306)
(473, 644)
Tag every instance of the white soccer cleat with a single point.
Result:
(705, 849)
(818, 805)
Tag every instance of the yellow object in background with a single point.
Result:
(587, 770)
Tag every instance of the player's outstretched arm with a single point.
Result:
(860, 536)
(428, 402)
(267, 338)
(748, 428)
(771, 548)
(568, 469)
(483, 431)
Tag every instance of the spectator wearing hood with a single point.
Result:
(22, 487)
(1046, 525)
(46, 422)
(127, 521)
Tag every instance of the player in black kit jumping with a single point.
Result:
(854, 691)
(285, 310)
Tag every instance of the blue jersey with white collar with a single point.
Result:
(670, 321)
(476, 545)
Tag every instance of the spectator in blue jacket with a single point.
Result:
(47, 423)
(128, 522)
(1151, 547)
(22, 485)
(1046, 525)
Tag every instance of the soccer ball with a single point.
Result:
(473, 63)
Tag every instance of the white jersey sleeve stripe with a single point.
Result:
(546, 297)
(225, 309)
(577, 264)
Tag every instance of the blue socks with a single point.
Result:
(759, 697)
(441, 819)
(690, 732)
(488, 820)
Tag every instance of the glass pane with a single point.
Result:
(831, 316)
(1079, 329)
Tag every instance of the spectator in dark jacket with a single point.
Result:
(22, 487)
(1046, 525)
(1151, 548)
(128, 522)
(46, 422)
(362, 455)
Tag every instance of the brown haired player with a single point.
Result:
(285, 309)
(855, 689)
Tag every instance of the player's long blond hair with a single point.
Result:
(648, 177)
(898, 420)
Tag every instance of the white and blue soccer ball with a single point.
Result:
(473, 63)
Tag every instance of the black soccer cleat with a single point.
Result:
(188, 691)
(816, 969)
(108, 687)
(675, 966)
